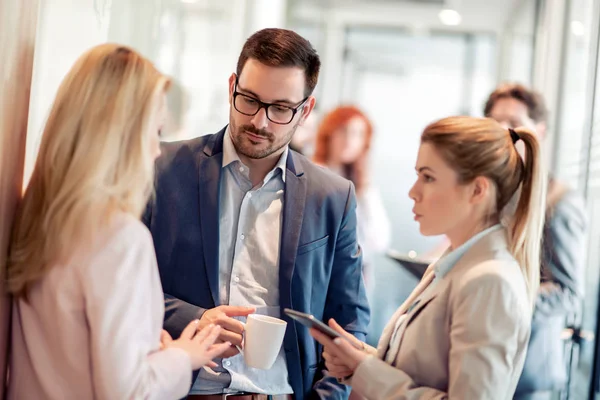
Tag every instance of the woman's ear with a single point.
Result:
(481, 188)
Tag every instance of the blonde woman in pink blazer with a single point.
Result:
(88, 304)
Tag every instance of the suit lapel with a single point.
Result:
(483, 249)
(386, 336)
(294, 199)
(209, 197)
(426, 297)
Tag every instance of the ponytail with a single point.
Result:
(527, 225)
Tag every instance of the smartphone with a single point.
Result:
(310, 321)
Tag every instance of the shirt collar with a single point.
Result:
(445, 264)
(230, 156)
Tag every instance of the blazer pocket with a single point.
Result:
(305, 248)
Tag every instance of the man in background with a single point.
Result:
(562, 269)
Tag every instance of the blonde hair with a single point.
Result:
(482, 147)
(94, 159)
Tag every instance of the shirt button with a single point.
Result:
(242, 236)
(236, 279)
(227, 363)
(241, 169)
(249, 195)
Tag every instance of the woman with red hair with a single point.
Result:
(343, 143)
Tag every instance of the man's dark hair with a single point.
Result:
(536, 109)
(282, 48)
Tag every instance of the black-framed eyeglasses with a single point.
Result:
(276, 113)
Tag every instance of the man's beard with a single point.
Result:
(248, 150)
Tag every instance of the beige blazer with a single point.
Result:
(467, 337)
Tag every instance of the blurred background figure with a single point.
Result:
(342, 144)
(562, 262)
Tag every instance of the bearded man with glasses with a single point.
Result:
(243, 224)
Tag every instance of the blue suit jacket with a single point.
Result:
(320, 269)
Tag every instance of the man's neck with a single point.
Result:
(259, 168)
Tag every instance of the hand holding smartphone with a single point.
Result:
(310, 321)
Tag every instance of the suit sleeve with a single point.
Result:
(178, 313)
(561, 291)
(484, 336)
(346, 297)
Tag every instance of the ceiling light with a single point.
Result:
(577, 28)
(450, 17)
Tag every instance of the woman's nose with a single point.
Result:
(413, 192)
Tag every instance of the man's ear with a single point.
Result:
(232, 79)
(306, 109)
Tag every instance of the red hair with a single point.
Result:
(333, 121)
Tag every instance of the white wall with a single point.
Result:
(66, 28)
(197, 43)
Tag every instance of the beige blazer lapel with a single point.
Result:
(426, 298)
(494, 241)
(387, 333)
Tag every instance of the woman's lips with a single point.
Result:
(417, 216)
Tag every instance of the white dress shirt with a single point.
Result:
(91, 328)
(249, 240)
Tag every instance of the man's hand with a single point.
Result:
(233, 330)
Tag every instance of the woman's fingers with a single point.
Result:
(208, 336)
(332, 359)
(338, 372)
(336, 327)
(165, 339)
(321, 337)
(190, 330)
(336, 367)
(217, 349)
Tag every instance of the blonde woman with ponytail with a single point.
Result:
(88, 304)
(463, 332)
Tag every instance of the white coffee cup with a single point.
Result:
(263, 336)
